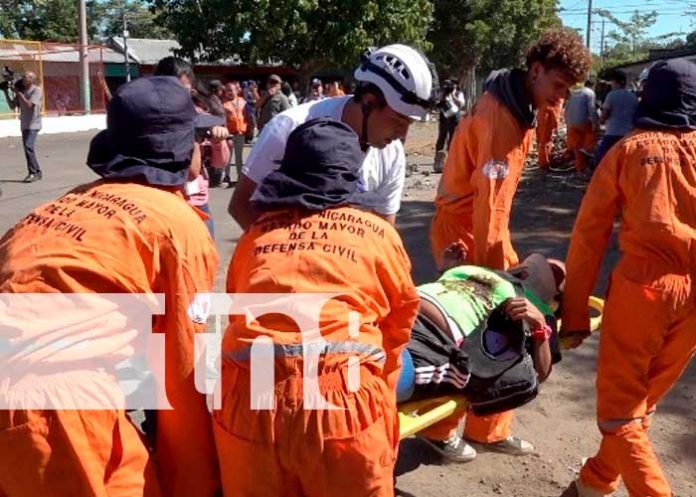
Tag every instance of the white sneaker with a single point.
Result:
(511, 445)
(455, 449)
(585, 491)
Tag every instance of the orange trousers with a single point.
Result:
(545, 149)
(581, 138)
(641, 356)
(294, 452)
(444, 230)
(73, 454)
(482, 429)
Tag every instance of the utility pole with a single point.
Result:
(125, 43)
(589, 24)
(601, 47)
(84, 56)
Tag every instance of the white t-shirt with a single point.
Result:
(383, 170)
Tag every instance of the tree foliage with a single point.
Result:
(141, 20)
(632, 32)
(487, 33)
(56, 20)
(307, 34)
(630, 42)
(691, 39)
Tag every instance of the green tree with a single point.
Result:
(140, 19)
(632, 32)
(48, 20)
(309, 35)
(486, 34)
(630, 40)
(56, 20)
(691, 39)
(9, 18)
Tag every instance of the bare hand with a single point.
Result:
(218, 134)
(521, 309)
(455, 255)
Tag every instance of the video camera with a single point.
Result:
(445, 91)
(11, 79)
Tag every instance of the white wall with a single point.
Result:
(57, 124)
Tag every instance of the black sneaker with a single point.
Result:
(31, 178)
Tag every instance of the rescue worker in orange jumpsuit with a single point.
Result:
(650, 179)
(477, 188)
(310, 241)
(548, 120)
(130, 232)
(582, 123)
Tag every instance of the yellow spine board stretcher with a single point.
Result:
(419, 415)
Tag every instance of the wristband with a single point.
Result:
(542, 333)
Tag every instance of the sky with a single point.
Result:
(673, 15)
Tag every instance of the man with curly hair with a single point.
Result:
(475, 195)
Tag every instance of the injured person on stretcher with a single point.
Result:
(489, 336)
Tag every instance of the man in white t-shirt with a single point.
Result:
(397, 85)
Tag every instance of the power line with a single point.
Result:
(629, 11)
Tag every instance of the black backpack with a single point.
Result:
(504, 380)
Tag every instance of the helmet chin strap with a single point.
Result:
(366, 110)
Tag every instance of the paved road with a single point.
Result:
(62, 159)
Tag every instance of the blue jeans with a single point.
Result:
(29, 142)
(604, 146)
(407, 378)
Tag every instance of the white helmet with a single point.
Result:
(406, 77)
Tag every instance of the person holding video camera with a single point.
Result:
(28, 96)
(450, 106)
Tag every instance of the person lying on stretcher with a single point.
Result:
(487, 335)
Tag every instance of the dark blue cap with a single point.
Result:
(320, 168)
(669, 96)
(150, 133)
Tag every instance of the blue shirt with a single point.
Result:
(621, 106)
(580, 108)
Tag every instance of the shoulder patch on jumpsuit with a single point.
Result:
(496, 169)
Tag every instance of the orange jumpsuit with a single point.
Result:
(293, 451)
(648, 326)
(108, 238)
(473, 204)
(547, 122)
(579, 138)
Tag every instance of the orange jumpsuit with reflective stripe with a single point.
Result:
(473, 204)
(548, 119)
(647, 336)
(294, 449)
(109, 238)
